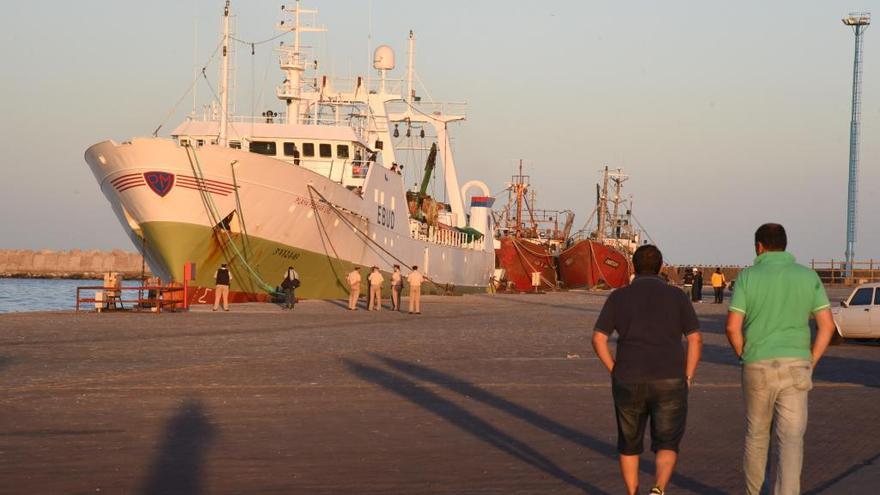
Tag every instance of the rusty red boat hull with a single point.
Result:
(589, 264)
(521, 257)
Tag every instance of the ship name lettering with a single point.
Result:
(385, 217)
(286, 253)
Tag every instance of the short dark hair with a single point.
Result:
(772, 237)
(415, 267)
(647, 260)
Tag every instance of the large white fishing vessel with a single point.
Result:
(318, 185)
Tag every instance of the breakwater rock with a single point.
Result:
(68, 264)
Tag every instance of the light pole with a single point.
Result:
(859, 21)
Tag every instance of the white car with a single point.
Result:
(858, 316)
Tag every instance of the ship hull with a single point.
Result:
(520, 258)
(169, 200)
(589, 264)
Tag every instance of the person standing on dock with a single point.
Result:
(222, 278)
(354, 288)
(698, 286)
(687, 281)
(289, 285)
(396, 287)
(718, 283)
(651, 372)
(768, 327)
(415, 279)
(376, 280)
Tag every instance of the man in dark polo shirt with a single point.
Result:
(651, 372)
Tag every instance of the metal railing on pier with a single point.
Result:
(152, 298)
(834, 271)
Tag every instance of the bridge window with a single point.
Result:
(341, 151)
(262, 147)
(325, 150)
(308, 149)
(236, 145)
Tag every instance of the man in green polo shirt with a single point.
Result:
(768, 327)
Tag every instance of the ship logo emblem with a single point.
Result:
(160, 182)
(610, 262)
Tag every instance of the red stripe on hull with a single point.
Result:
(196, 188)
(123, 177)
(204, 184)
(206, 181)
(128, 182)
(590, 264)
(205, 295)
(131, 186)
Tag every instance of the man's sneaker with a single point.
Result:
(656, 491)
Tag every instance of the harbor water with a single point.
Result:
(30, 294)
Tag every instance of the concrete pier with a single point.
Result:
(480, 394)
(68, 264)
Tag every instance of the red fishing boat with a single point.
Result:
(600, 256)
(527, 240)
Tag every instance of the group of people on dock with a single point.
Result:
(290, 282)
(692, 280)
(376, 282)
(768, 328)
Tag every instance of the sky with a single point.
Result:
(726, 115)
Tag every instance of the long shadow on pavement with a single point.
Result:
(834, 369)
(466, 421)
(474, 392)
(842, 476)
(177, 468)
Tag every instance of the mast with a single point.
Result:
(520, 189)
(603, 208)
(293, 65)
(411, 49)
(224, 79)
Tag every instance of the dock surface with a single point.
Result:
(480, 394)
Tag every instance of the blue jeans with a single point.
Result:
(776, 390)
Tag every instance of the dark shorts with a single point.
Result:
(664, 402)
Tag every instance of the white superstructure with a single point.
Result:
(317, 185)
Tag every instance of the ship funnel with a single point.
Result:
(481, 207)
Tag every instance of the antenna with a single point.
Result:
(859, 21)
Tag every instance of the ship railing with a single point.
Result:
(279, 118)
(433, 108)
(443, 236)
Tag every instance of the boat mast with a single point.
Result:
(603, 208)
(520, 189)
(615, 219)
(224, 79)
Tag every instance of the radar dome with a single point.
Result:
(383, 58)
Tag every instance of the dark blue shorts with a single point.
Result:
(664, 402)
